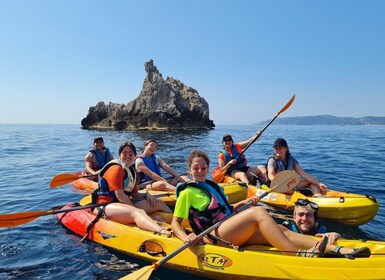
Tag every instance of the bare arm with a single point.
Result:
(333, 236)
(168, 169)
(143, 168)
(88, 160)
(122, 197)
(309, 178)
(176, 226)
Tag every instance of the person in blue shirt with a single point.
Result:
(305, 221)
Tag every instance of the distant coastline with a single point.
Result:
(327, 120)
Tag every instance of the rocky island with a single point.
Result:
(161, 105)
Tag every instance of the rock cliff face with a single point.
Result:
(162, 105)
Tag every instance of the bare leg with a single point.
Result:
(127, 214)
(257, 171)
(161, 186)
(159, 206)
(255, 226)
(240, 176)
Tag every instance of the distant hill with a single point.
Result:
(327, 120)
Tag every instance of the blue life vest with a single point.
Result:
(129, 182)
(241, 161)
(100, 160)
(217, 209)
(152, 164)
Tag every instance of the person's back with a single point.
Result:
(97, 158)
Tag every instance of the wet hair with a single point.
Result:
(196, 154)
(127, 144)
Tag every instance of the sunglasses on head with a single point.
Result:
(196, 167)
(305, 202)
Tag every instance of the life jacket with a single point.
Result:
(152, 163)
(100, 160)
(129, 182)
(217, 209)
(281, 166)
(293, 227)
(241, 161)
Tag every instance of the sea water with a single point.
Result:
(345, 158)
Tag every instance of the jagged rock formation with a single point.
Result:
(161, 105)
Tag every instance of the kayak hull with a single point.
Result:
(212, 261)
(348, 208)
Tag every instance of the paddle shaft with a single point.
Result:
(15, 219)
(288, 104)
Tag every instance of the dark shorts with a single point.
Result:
(243, 169)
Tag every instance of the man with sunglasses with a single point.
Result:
(305, 221)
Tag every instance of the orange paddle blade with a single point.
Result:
(218, 176)
(63, 179)
(16, 219)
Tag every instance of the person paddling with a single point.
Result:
(232, 160)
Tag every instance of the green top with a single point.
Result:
(191, 196)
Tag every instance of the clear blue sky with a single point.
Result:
(246, 58)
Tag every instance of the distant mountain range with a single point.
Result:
(327, 120)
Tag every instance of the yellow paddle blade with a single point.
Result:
(63, 179)
(140, 274)
(284, 181)
(16, 219)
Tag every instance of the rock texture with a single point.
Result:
(161, 105)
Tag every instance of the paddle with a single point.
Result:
(285, 181)
(220, 176)
(66, 178)
(16, 219)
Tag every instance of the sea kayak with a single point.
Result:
(216, 262)
(348, 208)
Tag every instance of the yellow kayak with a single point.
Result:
(216, 262)
(348, 208)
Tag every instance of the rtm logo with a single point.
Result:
(215, 261)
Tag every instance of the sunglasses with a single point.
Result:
(196, 167)
(130, 153)
(227, 140)
(305, 202)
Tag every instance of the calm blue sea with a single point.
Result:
(346, 158)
